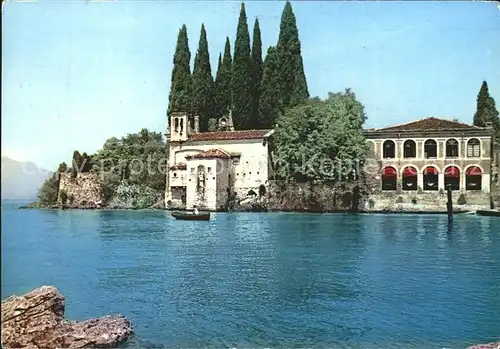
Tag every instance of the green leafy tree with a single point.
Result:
(138, 158)
(270, 103)
(293, 84)
(321, 139)
(241, 76)
(256, 75)
(203, 83)
(180, 88)
(223, 83)
(486, 111)
(48, 192)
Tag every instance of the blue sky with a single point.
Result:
(77, 73)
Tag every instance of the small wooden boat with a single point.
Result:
(191, 216)
(493, 213)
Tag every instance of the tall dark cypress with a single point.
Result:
(180, 89)
(223, 82)
(203, 83)
(217, 101)
(270, 103)
(256, 74)
(293, 83)
(241, 76)
(486, 111)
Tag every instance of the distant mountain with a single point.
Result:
(21, 180)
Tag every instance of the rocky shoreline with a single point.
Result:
(36, 321)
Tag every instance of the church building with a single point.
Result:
(206, 168)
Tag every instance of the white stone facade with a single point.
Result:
(204, 168)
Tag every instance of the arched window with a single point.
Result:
(473, 178)
(430, 178)
(430, 149)
(176, 124)
(452, 148)
(410, 149)
(389, 178)
(181, 126)
(452, 178)
(473, 148)
(409, 178)
(389, 150)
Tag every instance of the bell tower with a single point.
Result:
(226, 122)
(179, 126)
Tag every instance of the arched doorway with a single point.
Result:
(389, 178)
(409, 178)
(473, 178)
(431, 178)
(452, 178)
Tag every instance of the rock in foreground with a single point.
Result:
(36, 321)
(495, 345)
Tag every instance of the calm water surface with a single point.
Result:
(265, 280)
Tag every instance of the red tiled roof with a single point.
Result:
(179, 166)
(227, 135)
(427, 124)
(210, 154)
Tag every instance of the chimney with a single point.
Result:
(196, 124)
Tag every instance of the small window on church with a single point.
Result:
(192, 169)
(175, 174)
(209, 169)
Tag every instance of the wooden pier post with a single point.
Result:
(449, 206)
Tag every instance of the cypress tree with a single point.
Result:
(180, 89)
(256, 73)
(217, 99)
(222, 83)
(269, 103)
(203, 83)
(486, 111)
(241, 76)
(293, 84)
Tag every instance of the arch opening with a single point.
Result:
(452, 178)
(473, 148)
(389, 150)
(452, 148)
(473, 178)
(409, 149)
(389, 178)
(409, 178)
(431, 178)
(430, 149)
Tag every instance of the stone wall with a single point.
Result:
(425, 201)
(311, 197)
(84, 189)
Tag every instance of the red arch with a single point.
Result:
(389, 171)
(474, 171)
(430, 170)
(452, 171)
(409, 171)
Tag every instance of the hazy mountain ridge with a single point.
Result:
(21, 180)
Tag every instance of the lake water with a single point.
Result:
(265, 280)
